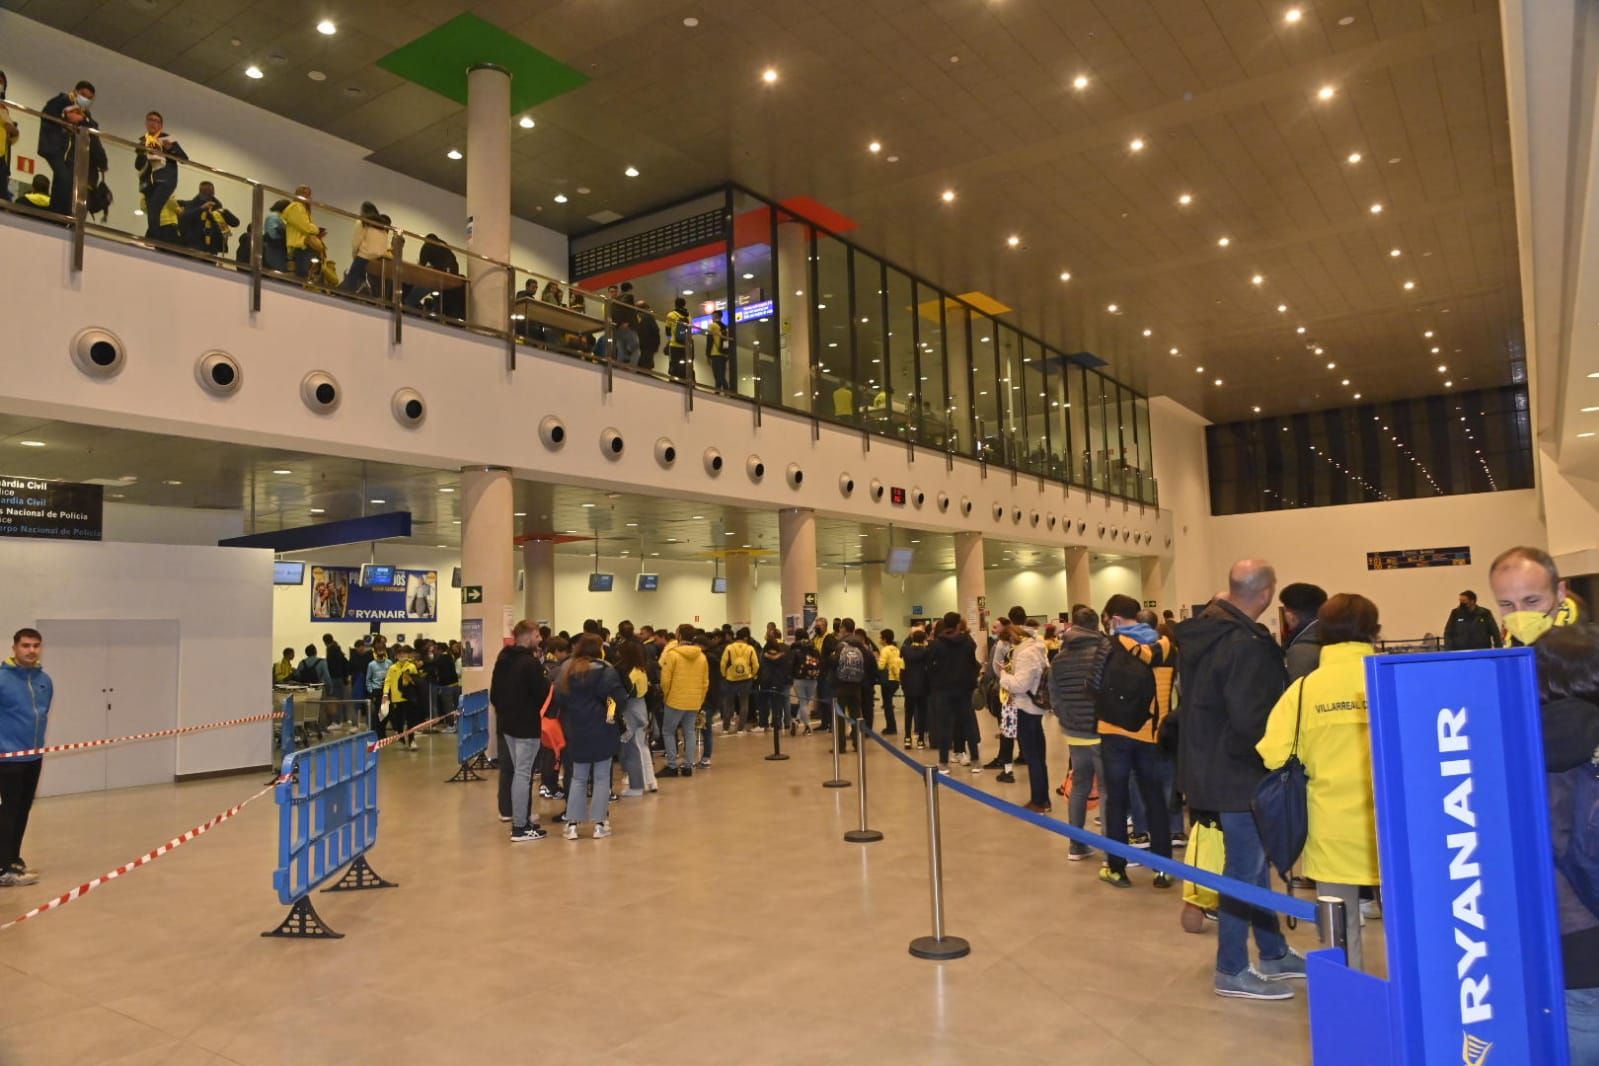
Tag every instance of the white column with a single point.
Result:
(1077, 578)
(488, 193)
(797, 546)
(1154, 570)
(794, 276)
(740, 589)
(971, 587)
(486, 563)
(538, 590)
(872, 596)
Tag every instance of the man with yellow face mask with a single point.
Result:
(1532, 598)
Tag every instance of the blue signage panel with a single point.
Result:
(337, 595)
(1467, 866)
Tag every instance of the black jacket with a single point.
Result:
(1302, 654)
(1231, 675)
(517, 689)
(649, 334)
(1570, 739)
(1469, 628)
(200, 231)
(338, 662)
(589, 736)
(54, 136)
(1075, 667)
(952, 663)
(777, 666)
(913, 675)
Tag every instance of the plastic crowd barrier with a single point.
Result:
(472, 736)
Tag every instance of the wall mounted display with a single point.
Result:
(337, 595)
(1417, 558)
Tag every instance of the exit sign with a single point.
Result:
(896, 497)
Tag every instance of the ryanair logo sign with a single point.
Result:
(1465, 873)
(1474, 1052)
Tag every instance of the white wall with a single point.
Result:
(239, 138)
(1327, 546)
(1181, 467)
(141, 524)
(220, 597)
(1110, 577)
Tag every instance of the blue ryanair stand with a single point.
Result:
(472, 736)
(1467, 867)
(327, 799)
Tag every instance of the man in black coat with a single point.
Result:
(518, 689)
(1232, 674)
(1470, 626)
(55, 140)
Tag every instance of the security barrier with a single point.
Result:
(472, 736)
(327, 800)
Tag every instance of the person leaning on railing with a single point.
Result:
(302, 236)
(67, 109)
(368, 244)
(156, 160)
(204, 224)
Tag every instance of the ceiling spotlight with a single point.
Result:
(1136, 144)
(253, 72)
(1376, 209)
(1065, 275)
(749, 277)
(1224, 242)
(1013, 240)
(1257, 280)
(327, 28)
(1449, 384)
(1256, 409)
(1326, 92)
(1174, 351)
(1395, 253)
(690, 22)
(1112, 308)
(40, 444)
(1442, 369)
(1291, 16)
(1080, 82)
(377, 501)
(526, 122)
(1199, 370)
(1436, 349)
(560, 197)
(1428, 334)
(769, 75)
(1218, 381)
(453, 153)
(1151, 333)
(874, 147)
(688, 292)
(948, 196)
(1185, 199)
(1354, 157)
(280, 471)
(1332, 366)
(1409, 285)
(1300, 330)
(1320, 350)
(1346, 382)
(631, 172)
(1357, 395)
(1282, 309)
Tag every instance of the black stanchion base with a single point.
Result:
(467, 772)
(951, 947)
(776, 756)
(481, 761)
(863, 836)
(358, 877)
(303, 922)
(835, 783)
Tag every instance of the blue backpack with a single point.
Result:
(1579, 863)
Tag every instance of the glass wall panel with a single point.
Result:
(1060, 452)
(1127, 442)
(1098, 442)
(755, 343)
(852, 387)
(832, 322)
(1012, 443)
(958, 411)
(1036, 402)
(1077, 424)
(985, 384)
(930, 404)
(1146, 451)
(894, 402)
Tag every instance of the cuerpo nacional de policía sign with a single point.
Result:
(337, 595)
(56, 510)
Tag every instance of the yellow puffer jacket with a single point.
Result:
(1335, 746)
(890, 662)
(685, 677)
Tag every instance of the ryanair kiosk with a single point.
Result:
(1467, 868)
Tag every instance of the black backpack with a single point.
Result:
(1125, 694)
(308, 674)
(851, 667)
(680, 332)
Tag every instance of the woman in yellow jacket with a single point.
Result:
(889, 665)
(1332, 734)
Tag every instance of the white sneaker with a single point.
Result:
(602, 830)
(757, 729)
(965, 758)
(1370, 909)
(570, 832)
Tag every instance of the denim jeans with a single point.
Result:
(1168, 786)
(582, 807)
(1123, 757)
(640, 767)
(736, 694)
(1582, 1025)
(626, 346)
(523, 751)
(1085, 772)
(1246, 861)
(805, 699)
(671, 720)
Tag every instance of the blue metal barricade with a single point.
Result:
(327, 800)
(472, 735)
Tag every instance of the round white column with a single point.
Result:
(971, 588)
(486, 563)
(488, 194)
(796, 530)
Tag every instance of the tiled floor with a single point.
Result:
(725, 922)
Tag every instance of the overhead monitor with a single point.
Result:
(601, 582)
(718, 585)
(455, 578)
(288, 573)
(899, 560)
(648, 583)
(377, 577)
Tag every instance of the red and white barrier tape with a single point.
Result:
(386, 741)
(148, 857)
(80, 745)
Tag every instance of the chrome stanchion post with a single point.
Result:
(1332, 923)
(938, 946)
(838, 746)
(863, 835)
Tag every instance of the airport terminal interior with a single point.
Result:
(685, 389)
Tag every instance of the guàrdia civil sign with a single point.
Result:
(54, 510)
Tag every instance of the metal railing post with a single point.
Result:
(777, 737)
(862, 835)
(257, 239)
(80, 194)
(838, 746)
(1332, 923)
(939, 946)
(396, 287)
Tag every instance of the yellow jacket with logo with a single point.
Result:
(1335, 746)
(890, 662)
(740, 662)
(396, 677)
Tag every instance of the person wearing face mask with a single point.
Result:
(156, 160)
(69, 109)
(8, 137)
(1531, 596)
(1470, 626)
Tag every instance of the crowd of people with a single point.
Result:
(376, 686)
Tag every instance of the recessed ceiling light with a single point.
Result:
(327, 28)
(1347, 20)
(631, 172)
(1257, 280)
(526, 122)
(279, 471)
(1151, 333)
(520, 514)
(560, 197)
(769, 75)
(749, 277)
(688, 292)
(691, 22)
(1218, 381)
(453, 153)
(446, 490)
(253, 72)
(1345, 382)
(1376, 209)
(1136, 144)
(1300, 330)
(1080, 82)
(31, 443)
(1449, 384)
(1595, 374)
(1224, 241)
(1442, 369)
(1174, 351)
(173, 481)
(1326, 92)
(1282, 309)
(1013, 240)
(377, 501)
(1255, 409)
(1065, 275)
(1332, 366)
(1395, 253)
(874, 147)
(1354, 157)
(1428, 334)
(948, 196)
(319, 510)
(1409, 285)
(1112, 308)
(1291, 16)
(1585, 435)
(316, 75)
(893, 159)
(1199, 370)
(1357, 395)
(1185, 199)
(1436, 349)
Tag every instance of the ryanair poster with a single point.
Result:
(390, 594)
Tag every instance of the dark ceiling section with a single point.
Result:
(978, 97)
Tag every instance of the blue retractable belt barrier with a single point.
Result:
(1242, 891)
(472, 735)
(327, 801)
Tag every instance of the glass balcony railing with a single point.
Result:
(859, 344)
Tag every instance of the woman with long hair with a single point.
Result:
(590, 691)
(635, 719)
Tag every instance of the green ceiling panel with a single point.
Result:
(439, 60)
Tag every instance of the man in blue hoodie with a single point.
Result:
(25, 693)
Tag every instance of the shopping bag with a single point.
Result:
(383, 710)
(1207, 851)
